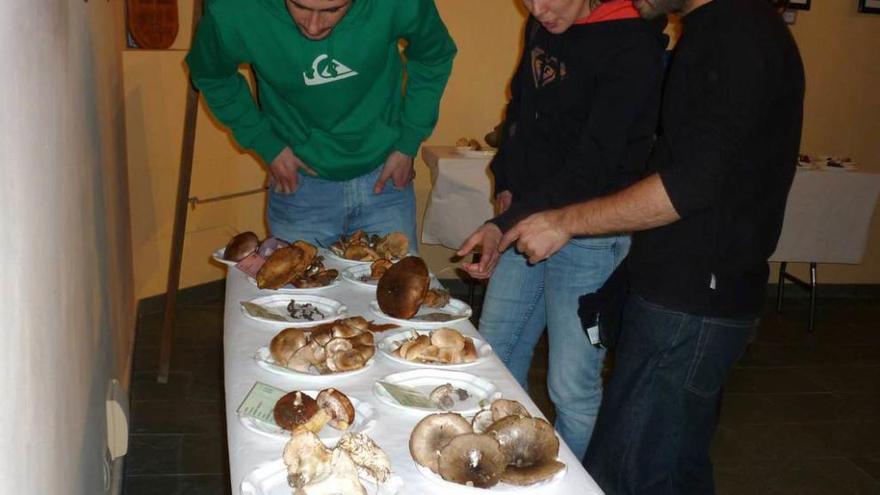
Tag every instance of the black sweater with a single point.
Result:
(730, 133)
(582, 116)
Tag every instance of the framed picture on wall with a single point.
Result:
(869, 6)
(799, 4)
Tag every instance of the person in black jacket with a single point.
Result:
(580, 124)
(707, 219)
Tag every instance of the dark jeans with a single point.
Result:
(660, 407)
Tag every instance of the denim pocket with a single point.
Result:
(720, 344)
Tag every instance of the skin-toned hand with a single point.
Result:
(284, 171)
(502, 201)
(487, 238)
(399, 168)
(538, 236)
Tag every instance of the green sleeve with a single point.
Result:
(213, 67)
(429, 53)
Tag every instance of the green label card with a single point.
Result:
(409, 397)
(260, 402)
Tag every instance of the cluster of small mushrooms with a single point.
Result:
(314, 469)
(297, 264)
(502, 443)
(338, 346)
(362, 247)
(298, 410)
(441, 346)
(405, 287)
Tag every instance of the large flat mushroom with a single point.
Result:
(432, 433)
(530, 446)
(402, 289)
(241, 246)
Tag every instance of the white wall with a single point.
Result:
(66, 303)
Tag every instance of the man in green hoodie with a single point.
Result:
(333, 121)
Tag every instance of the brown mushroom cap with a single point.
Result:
(448, 337)
(286, 343)
(432, 433)
(283, 265)
(402, 289)
(241, 246)
(472, 459)
(530, 445)
(482, 420)
(294, 410)
(338, 407)
(393, 245)
(469, 353)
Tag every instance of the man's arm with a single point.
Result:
(213, 66)
(429, 54)
(644, 205)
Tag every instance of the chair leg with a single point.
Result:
(780, 288)
(812, 323)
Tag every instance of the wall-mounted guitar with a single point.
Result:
(152, 24)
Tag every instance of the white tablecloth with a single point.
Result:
(461, 196)
(828, 217)
(247, 450)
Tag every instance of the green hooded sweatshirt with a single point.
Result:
(339, 103)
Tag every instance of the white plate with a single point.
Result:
(459, 311)
(329, 254)
(331, 308)
(475, 153)
(271, 479)
(359, 275)
(387, 346)
(426, 380)
(449, 486)
(363, 420)
(264, 360)
(289, 289)
(218, 256)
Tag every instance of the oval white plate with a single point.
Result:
(387, 346)
(499, 488)
(264, 360)
(363, 420)
(475, 153)
(359, 275)
(289, 289)
(271, 479)
(426, 380)
(459, 311)
(331, 308)
(218, 256)
(329, 254)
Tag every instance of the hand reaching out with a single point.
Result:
(538, 236)
(486, 238)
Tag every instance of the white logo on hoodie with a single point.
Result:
(326, 70)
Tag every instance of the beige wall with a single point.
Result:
(68, 305)
(841, 118)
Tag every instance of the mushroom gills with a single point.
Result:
(472, 459)
(529, 475)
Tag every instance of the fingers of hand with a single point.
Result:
(469, 244)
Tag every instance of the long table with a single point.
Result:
(242, 336)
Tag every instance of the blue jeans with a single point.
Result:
(322, 210)
(661, 403)
(522, 299)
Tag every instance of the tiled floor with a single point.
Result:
(801, 412)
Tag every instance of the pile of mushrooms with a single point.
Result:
(441, 346)
(503, 443)
(314, 469)
(362, 247)
(404, 288)
(339, 346)
(297, 264)
(297, 410)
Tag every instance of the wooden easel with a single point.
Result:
(177, 235)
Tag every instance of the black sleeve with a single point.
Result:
(621, 97)
(732, 78)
